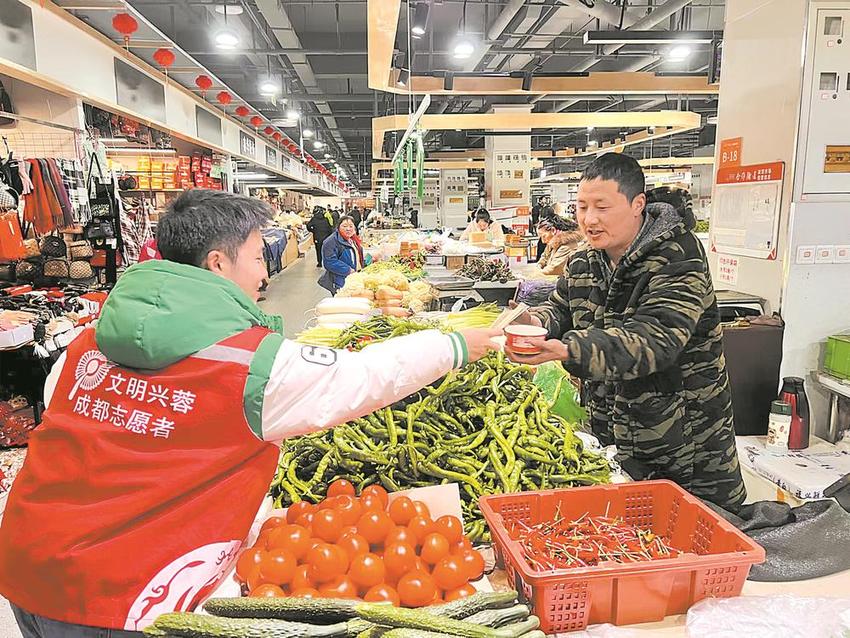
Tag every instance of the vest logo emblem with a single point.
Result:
(91, 371)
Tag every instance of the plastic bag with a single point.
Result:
(769, 617)
(554, 383)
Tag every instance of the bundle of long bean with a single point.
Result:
(486, 427)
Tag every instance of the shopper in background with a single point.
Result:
(163, 428)
(636, 318)
(562, 239)
(322, 226)
(413, 217)
(547, 213)
(342, 254)
(484, 223)
(357, 217)
(542, 202)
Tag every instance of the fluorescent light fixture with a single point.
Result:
(130, 150)
(307, 133)
(229, 9)
(226, 39)
(679, 52)
(649, 37)
(543, 173)
(590, 129)
(468, 159)
(269, 87)
(328, 155)
(463, 49)
(593, 143)
(292, 114)
(317, 145)
(248, 176)
(420, 19)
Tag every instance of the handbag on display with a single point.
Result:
(81, 249)
(127, 183)
(100, 229)
(81, 270)
(11, 238)
(26, 271)
(57, 269)
(31, 248)
(98, 260)
(53, 246)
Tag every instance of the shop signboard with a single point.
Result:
(139, 92)
(17, 42)
(208, 124)
(730, 152)
(247, 145)
(271, 156)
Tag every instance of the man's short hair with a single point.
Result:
(619, 168)
(203, 220)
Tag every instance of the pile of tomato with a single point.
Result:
(361, 548)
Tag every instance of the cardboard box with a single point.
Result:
(453, 262)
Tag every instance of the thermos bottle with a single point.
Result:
(794, 393)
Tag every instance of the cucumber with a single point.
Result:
(312, 610)
(499, 617)
(189, 625)
(421, 619)
(477, 602)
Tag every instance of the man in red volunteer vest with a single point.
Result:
(159, 440)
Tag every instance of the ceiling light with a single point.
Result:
(307, 132)
(420, 19)
(464, 49)
(229, 9)
(226, 39)
(468, 159)
(590, 129)
(292, 114)
(593, 143)
(403, 77)
(648, 37)
(542, 173)
(268, 87)
(679, 52)
(328, 155)
(317, 145)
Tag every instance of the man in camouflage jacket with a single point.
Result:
(635, 317)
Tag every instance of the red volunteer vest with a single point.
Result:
(138, 490)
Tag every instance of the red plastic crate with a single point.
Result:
(716, 561)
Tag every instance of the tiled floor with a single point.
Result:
(291, 294)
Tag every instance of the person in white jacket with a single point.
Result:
(160, 436)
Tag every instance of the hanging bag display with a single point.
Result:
(81, 249)
(11, 238)
(26, 271)
(81, 270)
(53, 246)
(31, 248)
(57, 269)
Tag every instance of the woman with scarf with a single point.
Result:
(562, 239)
(342, 254)
(322, 226)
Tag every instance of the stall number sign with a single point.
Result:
(730, 152)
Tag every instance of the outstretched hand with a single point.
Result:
(550, 350)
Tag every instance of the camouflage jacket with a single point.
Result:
(646, 339)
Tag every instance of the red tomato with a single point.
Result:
(402, 510)
(421, 509)
(381, 593)
(420, 565)
(246, 562)
(328, 504)
(399, 559)
(473, 564)
(353, 544)
(271, 523)
(419, 527)
(349, 509)
(367, 570)
(434, 548)
(341, 487)
(327, 525)
(326, 562)
(416, 589)
(399, 535)
(301, 579)
(306, 520)
(461, 592)
(378, 491)
(351, 529)
(278, 566)
(254, 578)
(373, 503)
(306, 592)
(267, 591)
(296, 510)
(339, 587)
(449, 573)
(294, 538)
(450, 527)
(315, 542)
(462, 546)
(262, 541)
(374, 526)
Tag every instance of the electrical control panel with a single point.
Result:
(824, 152)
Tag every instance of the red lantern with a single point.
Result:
(126, 25)
(277, 136)
(268, 130)
(256, 121)
(165, 58)
(242, 111)
(204, 82)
